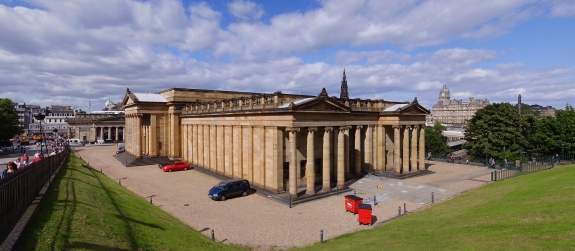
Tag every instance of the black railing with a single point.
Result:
(18, 190)
(525, 168)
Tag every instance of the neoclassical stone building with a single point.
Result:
(279, 142)
(447, 111)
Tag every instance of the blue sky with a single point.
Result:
(67, 53)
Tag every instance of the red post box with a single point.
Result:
(364, 214)
(351, 202)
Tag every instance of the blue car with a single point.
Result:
(229, 188)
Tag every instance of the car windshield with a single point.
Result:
(221, 185)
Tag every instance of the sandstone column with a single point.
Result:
(405, 149)
(201, 145)
(109, 133)
(117, 137)
(358, 150)
(138, 135)
(292, 161)
(368, 144)
(310, 163)
(341, 156)
(195, 144)
(212, 154)
(396, 150)
(414, 149)
(422, 152)
(383, 148)
(326, 159)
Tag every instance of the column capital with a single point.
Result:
(344, 128)
(358, 126)
(397, 126)
(293, 129)
(311, 129)
(328, 128)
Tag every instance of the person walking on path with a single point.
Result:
(25, 159)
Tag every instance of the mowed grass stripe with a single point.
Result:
(531, 212)
(85, 210)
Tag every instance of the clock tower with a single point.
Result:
(444, 96)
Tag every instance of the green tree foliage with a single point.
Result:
(9, 124)
(553, 133)
(497, 127)
(434, 140)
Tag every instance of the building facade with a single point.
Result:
(279, 142)
(104, 125)
(448, 111)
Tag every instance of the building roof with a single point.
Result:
(394, 108)
(150, 97)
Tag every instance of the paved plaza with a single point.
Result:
(263, 223)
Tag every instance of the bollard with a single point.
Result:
(374, 201)
(432, 199)
(101, 170)
(290, 201)
(404, 208)
(398, 211)
(120, 182)
(213, 237)
(126, 163)
(320, 236)
(151, 200)
(354, 192)
(337, 191)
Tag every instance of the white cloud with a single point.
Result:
(245, 10)
(563, 8)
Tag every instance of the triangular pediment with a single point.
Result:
(414, 108)
(129, 98)
(319, 104)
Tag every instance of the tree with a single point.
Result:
(9, 124)
(434, 140)
(497, 131)
(556, 134)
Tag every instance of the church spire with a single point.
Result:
(344, 94)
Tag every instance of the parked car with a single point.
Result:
(121, 150)
(229, 188)
(175, 166)
(76, 144)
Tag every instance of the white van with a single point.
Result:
(75, 142)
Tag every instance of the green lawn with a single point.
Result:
(532, 212)
(85, 210)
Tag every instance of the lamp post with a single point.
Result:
(562, 150)
(40, 117)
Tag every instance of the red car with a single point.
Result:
(177, 165)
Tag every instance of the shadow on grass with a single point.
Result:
(127, 219)
(91, 246)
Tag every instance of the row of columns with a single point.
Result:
(401, 165)
(133, 134)
(109, 137)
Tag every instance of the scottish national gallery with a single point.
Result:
(279, 142)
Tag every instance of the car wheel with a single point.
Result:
(185, 169)
(245, 193)
(170, 170)
(223, 198)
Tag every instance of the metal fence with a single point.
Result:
(18, 190)
(526, 168)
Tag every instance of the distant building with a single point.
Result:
(448, 111)
(543, 111)
(107, 124)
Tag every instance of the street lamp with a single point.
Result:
(40, 117)
(562, 150)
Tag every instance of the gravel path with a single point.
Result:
(254, 220)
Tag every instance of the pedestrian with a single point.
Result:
(25, 159)
(18, 163)
(557, 159)
(10, 169)
(452, 157)
(467, 161)
(429, 156)
(447, 158)
(506, 164)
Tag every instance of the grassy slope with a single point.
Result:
(85, 210)
(532, 212)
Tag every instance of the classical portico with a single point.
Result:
(279, 142)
